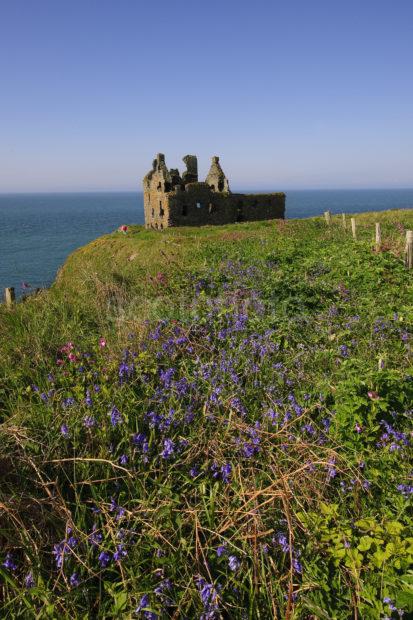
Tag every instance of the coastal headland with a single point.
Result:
(206, 422)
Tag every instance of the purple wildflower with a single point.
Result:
(168, 448)
(89, 421)
(104, 559)
(68, 402)
(164, 586)
(29, 581)
(120, 553)
(226, 472)
(95, 537)
(144, 602)
(9, 562)
(59, 551)
(64, 430)
(233, 562)
(281, 539)
(221, 550)
(344, 352)
(74, 580)
(209, 598)
(115, 416)
(194, 471)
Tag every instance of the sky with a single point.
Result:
(291, 95)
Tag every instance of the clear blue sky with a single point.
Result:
(298, 94)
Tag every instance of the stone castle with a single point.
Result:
(174, 200)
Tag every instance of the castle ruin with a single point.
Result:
(174, 200)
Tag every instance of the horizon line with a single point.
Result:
(236, 190)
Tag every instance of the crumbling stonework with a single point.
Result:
(172, 200)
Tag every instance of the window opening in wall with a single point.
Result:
(161, 211)
(153, 212)
(161, 226)
(220, 186)
(198, 205)
(184, 210)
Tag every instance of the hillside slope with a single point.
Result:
(212, 423)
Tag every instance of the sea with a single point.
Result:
(39, 231)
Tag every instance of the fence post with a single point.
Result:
(408, 260)
(327, 216)
(353, 227)
(9, 296)
(343, 215)
(378, 237)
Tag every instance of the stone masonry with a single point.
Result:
(174, 200)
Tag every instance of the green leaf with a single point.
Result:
(365, 543)
(393, 527)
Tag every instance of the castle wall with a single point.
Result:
(198, 205)
(170, 200)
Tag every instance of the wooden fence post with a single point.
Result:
(327, 216)
(343, 215)
(378, 237)
(408, 260)
(353, 227)
(9, 296)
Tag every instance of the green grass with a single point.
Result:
(263, 377)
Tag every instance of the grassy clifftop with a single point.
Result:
(212, 423)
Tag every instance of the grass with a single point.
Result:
(212, 423)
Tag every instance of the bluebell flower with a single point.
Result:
(194, 471)
(9, 562)
(88, 399)
(29, 581)
(104, 559)
(226, 472)
(115, 416)
(281, 539)
(95, 537)
(209, 599)
(168, 448)
(59, 551)
(344, 352)
(120, 553)
(123, 459)
(89, 421)
(144, 602)
(221, 550)
(74, 580)
(64, 430)
(164, 586)
(233, 562)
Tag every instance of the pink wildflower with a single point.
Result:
(72, 357)
(69, 346)
(358, 428)
(123, 229)
(102, 342)
(372, 395)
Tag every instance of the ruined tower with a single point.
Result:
(172, 200)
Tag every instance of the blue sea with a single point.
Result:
(38, 231)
